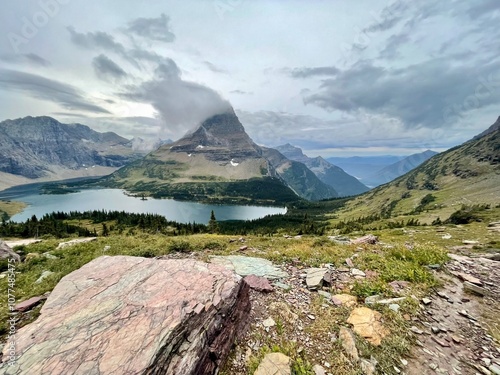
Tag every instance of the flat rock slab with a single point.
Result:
(274, 364)
(314, 277)
(367, 323)
(258, 283)
(245, 266)
(130, 315)
(28, 304)
(63, 245)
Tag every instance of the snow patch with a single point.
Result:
(234, 164)
(200, 146)
(190, 155)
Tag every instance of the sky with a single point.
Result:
(337, 77)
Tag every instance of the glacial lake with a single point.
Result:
(116, 200)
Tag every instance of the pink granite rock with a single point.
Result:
(129, 315)
(28, 304)
(258, 283)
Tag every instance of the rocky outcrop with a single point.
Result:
(7, 253)
(129, 315)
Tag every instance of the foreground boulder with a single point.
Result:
(128, 315)
(6, 252)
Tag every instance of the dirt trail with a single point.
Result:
(454, 330)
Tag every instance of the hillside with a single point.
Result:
(343, 183)
(218, 161)
(393, 171)
(468, 174)
(36, 149)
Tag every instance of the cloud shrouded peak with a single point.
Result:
(182, 105)
(152, 28)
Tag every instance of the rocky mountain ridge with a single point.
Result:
(343, 183)
(43, 148)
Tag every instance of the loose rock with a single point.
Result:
(274, 364)
(260, 284)
(367, 323)
(348, 344)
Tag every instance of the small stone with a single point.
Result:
(367, 367)
(394, 307)
(44, 275)
(314, 278)
(433, 366)
(471, 288)
(494, 369)
(274, 364)
(456, 339)
(348, 343)
(398, 371)
(444, 344)
(28, 304)
(466, 277)
(404, 362)
(243, 248)
(269, 322)
(486, 361)
(312, 317)
(426, 301)
(319, 370)
(344, 300)
(349, 262)
(258, 283)
(283, 286)
(324, 294)
(356, 272)
(435, 330)
(416, 330)
(50, 256)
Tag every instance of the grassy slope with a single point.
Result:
(468, 174)
(11, 208)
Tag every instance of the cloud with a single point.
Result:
(310, 72)
(96, 39)
(106, 69)
(182, 105)
(29, 58)
(42, 88)
(389, 17)
(214, 68)
(152, 28)
(431, 94)
(241, 92)
(356, 133)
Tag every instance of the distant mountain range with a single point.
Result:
(42, 148)
(343, 183)
(393, 171)
(464, 175)
(219, 162)
(377, 170)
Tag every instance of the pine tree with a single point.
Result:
(213, 226)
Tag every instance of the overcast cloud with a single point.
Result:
(336, 78)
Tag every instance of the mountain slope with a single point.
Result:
(219, 161)
(399, 168)
(41, 148)
(343, 183)
(467, 174)
(362, 167)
